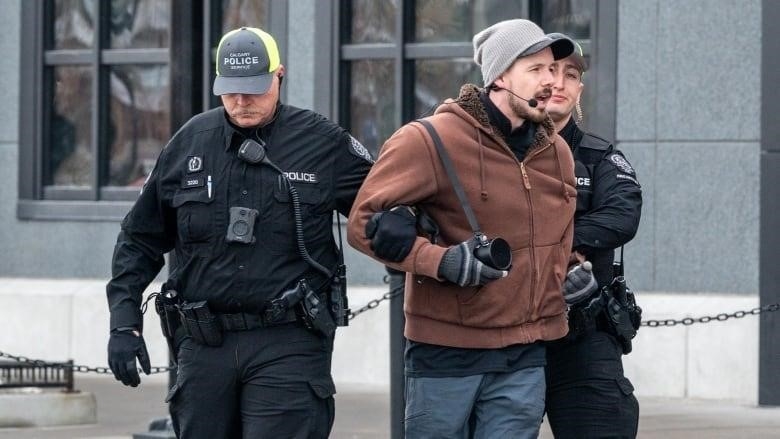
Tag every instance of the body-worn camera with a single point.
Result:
(493, 252)
(242, 225)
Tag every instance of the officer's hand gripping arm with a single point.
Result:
(392, 233)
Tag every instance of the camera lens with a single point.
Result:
(240, 228)
(496, 254)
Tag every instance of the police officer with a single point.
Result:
(244, 194)
(588, 395)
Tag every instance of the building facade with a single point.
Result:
(93, 90)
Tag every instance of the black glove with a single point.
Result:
(460, 266)
(580, 283)
(392, 233)
(124, 345)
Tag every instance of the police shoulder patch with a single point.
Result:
(357, 148)
(622, 164)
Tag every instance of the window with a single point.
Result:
(97, 99)
(401, 58)
(105, 97)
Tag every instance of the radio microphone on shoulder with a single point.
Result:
(531, 102)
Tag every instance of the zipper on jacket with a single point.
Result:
(526, 182)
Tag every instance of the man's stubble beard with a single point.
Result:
(525, 112)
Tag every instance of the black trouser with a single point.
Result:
(263, 383)
(587, 394)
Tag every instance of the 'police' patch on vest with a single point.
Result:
(359, 150)
(194, 164)
(621, 163)
(583, 182)
(301, 177)
(190, 182)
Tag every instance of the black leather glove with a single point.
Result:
(580, 283)
(392, 233)
(124, 345)
(460, 266)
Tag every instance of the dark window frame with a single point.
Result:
(188, 63)
(602, 47)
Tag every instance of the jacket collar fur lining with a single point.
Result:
(468, 100)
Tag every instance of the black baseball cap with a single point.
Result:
(246, 60)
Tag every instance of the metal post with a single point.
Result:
(397, 341)
(769, 238)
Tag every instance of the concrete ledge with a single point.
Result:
(31, 407)
(68, 318)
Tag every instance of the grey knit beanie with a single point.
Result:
(497, 47)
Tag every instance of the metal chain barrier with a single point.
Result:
(687, 321)
(76, 367)
(161, 369)
(375, 302)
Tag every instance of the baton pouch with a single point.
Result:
(200, 323)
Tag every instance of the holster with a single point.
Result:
(315, 314)
(586, 317)
(623, 313)
(165, 304)
(613, 310)
(200, 323)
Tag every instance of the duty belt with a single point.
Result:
(244, 321)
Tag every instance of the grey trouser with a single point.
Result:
(484, 406)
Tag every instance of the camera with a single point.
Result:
(242, 225)
(493, 252)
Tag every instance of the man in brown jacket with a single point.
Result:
(474, 359)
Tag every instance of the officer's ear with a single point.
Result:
(280, 74)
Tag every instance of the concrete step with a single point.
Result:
(36, 407)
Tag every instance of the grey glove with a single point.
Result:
(580, 283)
(459, 266)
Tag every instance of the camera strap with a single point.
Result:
(453, 176)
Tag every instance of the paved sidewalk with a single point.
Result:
(364, 414)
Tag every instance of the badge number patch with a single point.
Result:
(194, 164)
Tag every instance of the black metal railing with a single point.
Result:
(28, 374)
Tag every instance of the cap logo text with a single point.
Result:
(240, 60)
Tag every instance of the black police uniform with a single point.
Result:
(588, 395)
(273, 380)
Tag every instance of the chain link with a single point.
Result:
(374, 303)
(722, 317)
(77, 367)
